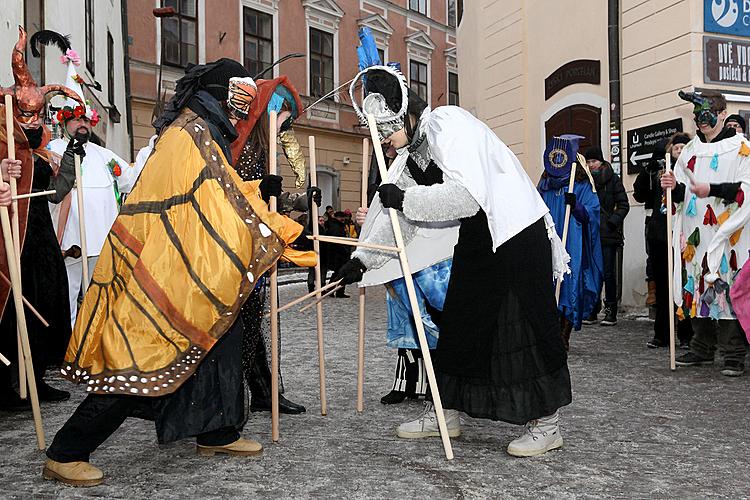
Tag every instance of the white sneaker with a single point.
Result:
(539, 437)
(426, 425)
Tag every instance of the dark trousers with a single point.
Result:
(609, 257)
(99, 416)
(725, 334)
(661, 278)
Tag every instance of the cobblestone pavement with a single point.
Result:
(634, 430)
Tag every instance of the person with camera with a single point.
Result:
(647, 190)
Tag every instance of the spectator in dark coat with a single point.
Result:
(614, 206)
(647, 190)
(338, 255)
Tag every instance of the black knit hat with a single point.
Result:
(737, 119)
(594, 153)
(216, 80)
(680, 138)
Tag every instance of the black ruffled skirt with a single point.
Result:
(500, 355)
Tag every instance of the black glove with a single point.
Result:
(391, 196)
(286, 125)
(570, 199)
(270, 186)
(314, 194)
(350, 272)
(76, 143)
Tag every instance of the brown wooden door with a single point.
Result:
(579, 119)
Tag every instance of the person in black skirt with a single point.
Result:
(500, 355)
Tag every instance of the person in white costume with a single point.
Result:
(710, 241)
(105, 177)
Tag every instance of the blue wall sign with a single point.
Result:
(727, 16)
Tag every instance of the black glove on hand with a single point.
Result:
(391, 196)
(314, 194)
(350, 272)
(270, 186)
(76, 143)
(570, 199)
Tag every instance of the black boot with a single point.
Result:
(393, 398)
(610, 315)
(11, 401)
(49, 394)
(260, 387)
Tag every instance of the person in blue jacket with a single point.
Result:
(581, 288)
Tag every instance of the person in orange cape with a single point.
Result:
(159, 332)
(42, 268)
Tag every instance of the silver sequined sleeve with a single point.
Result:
(439, 203)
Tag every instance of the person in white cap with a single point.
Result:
(105, 177)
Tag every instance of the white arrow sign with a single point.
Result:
(634, 158)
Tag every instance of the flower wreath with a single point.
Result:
(68, 113)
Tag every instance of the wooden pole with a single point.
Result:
(352, 243)
(362, 297)
(318, 282)
(26, 303)
(16, 233)
(34, 195)
(4, 360)
(571, 186)
(303, 298)
(413, 299)
(670, 267)
(327, 294)
(82, 224)
(274, 295)
(15, 279)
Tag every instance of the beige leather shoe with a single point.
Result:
(72, 473)
(241, 447)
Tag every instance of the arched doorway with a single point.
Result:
(329, 184)
(580, 119)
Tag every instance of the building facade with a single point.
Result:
(96, 34)
(546, 68)
(419, 34)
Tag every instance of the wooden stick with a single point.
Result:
(318, 281)
(4, 360)
(15, 279)
(16, 233)
(26, 302)
(82, 224)
(571, 186)
(327, 294)
(413, 299)
(304, 298)
(274, 279)
(362, 302)
(670, 267)
(353, 243)
(33, 195)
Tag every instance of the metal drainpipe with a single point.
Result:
(614, 80)
(126, 65)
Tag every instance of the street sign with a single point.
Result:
(641, 142)
(731, 17)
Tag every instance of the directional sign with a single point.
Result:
(641, 142)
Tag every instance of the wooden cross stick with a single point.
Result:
(406, 269)
(26, 302)
(16, 234)
(4, 360)
(318, 305)
(304, 298)
(274, 296)
(670, 267)
(15, 279)
(327, 294)
(82, 224)
(353, 243)
(571, 186)
(362, 301)
(33, 195)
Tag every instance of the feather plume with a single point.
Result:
(49, 37)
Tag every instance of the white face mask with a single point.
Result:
(375, 104)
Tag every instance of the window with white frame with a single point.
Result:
(180, 33)
(321, 62)
(453, 89)
(418, 6)
(89, 33)
(451, 13)
(418, 78)
(257, 29)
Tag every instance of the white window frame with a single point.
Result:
(448, 87)
(412, 57)
(429, 12)
(272, 10)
